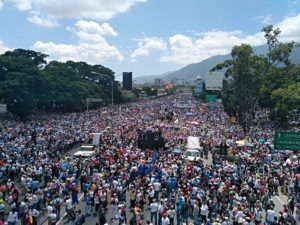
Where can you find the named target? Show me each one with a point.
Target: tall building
(198, 86)
(158, 82)
(127, 81)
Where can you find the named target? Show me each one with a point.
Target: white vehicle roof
(193, 143)
(87, 147)
(84, 154)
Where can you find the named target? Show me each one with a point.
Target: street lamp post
(111, 84)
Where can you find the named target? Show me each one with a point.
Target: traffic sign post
(287, 140)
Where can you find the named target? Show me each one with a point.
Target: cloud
(22, 5)
(42, 21)
(185, 50)
(72, 9)
(148, 45)
(1, 4)
(266, 20)
(3, 48)
(292, 3)
(290, 29)
(91, 27)
(92, 46)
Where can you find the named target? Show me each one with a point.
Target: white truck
(193, 149)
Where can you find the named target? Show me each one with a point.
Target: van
(192, 155)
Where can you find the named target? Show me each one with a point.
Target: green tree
(21, 80)
(28, 83)
(241, 95)
(286, 100)
(280, 77)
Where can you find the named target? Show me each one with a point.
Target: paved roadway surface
(91, 220)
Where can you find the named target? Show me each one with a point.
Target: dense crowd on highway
(40, 179)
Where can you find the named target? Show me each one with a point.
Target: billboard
(127, 81)
(214, 81)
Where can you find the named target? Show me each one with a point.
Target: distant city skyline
(146, 37)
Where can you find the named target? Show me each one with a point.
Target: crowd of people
(40, 179)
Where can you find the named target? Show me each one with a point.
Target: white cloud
(185, 50)
(22, 5)
(91, 27)
(148, 45)
(3, 48)
(36, 18)
(92, 47)
(292, 3)
(290, 28)
(1, 4)
(100, 9)
(73, 9)
(266, 20)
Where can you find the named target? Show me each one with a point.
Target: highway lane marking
(280, 200)
(61, 219)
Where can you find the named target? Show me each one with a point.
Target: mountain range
(202, 68)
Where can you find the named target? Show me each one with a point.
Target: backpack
(82, 219)
(72, 215)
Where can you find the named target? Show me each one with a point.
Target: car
(86, 151)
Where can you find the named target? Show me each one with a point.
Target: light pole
(111, 84)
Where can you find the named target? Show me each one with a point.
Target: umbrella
(244, 143)
(261, 140)
(195, 123)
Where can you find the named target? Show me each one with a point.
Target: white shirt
(204, 210)
(171, 213)
(12, 217)
(257, 215)
(156, 186)
(49, 209)
(165, 221)
(153, 207)
(52, 217)
(270, 215)
(69, 204)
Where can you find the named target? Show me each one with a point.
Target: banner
(96, 139)
(184, 105)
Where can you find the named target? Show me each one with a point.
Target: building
(214, 81)
(158, 82)
(198, 86)
(127, 81)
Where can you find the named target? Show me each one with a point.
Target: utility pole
(111, 84)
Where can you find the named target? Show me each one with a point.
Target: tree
(21, 80)
(280, 78)
(241, 95)
(286, 100)
(28, 83)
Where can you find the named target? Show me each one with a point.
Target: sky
(146, 37)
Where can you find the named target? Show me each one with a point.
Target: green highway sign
(287, 140)
(210, 98)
